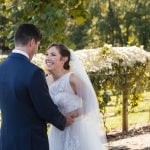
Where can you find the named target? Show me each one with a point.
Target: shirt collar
(20, 52)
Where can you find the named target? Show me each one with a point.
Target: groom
(25, 103)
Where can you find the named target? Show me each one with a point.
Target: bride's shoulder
(75, 81)
(73, 78)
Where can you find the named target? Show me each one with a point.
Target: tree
(52, 17)
(124, 70)
(80, 23)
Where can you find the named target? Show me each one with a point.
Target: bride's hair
(64, 52)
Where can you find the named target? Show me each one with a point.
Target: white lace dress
(80, 135)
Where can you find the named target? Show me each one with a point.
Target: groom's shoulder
(34, 68)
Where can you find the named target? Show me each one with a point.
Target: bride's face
(53, 59)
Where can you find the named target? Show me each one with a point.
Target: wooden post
(149, 116)
(125, 112)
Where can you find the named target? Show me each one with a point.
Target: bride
(72, 92)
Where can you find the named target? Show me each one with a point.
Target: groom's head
(28, 36)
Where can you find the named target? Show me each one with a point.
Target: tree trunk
(125, 112)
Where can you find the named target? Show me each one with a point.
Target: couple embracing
(65, 98)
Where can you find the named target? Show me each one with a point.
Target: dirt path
(137, 139)
(139, 142)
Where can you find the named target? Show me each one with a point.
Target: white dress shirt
(20, 52)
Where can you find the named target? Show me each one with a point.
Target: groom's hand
(69, 119)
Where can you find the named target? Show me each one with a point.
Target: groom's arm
(42, 101)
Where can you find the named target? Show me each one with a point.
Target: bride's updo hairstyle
(64, 52)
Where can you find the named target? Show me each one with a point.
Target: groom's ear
(32, 42)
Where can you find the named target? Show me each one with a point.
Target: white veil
(90, 102)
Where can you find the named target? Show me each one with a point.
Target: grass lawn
(140, 118)
(140, 115)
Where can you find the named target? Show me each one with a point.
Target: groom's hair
(25, 33)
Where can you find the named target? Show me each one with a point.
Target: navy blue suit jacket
(26, 105)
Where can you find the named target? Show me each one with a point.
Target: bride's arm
(79, 88)
(86, 92)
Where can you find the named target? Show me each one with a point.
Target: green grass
(139, 118)
(115, 122)
(140, 115)
(144, 105)
(147, 95)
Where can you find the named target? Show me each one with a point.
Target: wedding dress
(81, 135)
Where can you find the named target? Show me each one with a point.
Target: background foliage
(79, 23)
